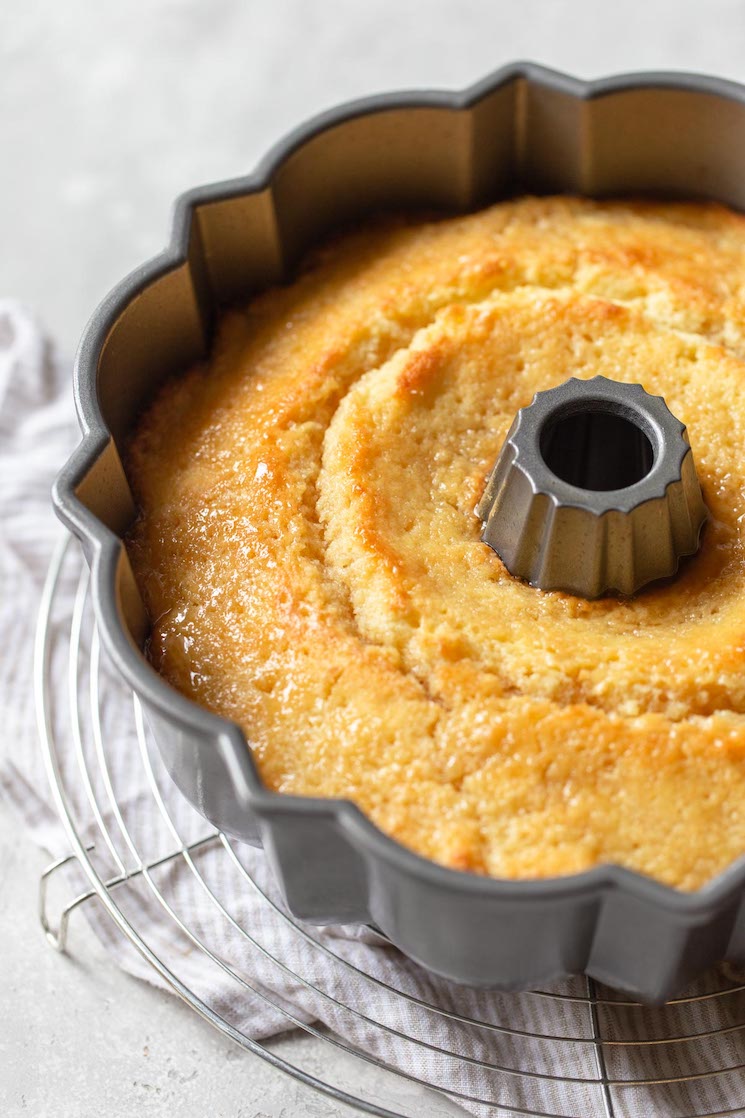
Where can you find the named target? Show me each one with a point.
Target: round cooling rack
(403, 1043)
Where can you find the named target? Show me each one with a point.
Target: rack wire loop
(56, 932)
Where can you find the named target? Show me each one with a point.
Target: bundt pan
(524, 129)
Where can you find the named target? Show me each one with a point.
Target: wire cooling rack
(572, 1052)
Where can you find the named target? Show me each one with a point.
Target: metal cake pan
(523, 129)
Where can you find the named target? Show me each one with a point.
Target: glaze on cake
(310, 559)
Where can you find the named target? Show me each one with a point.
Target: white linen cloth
(37, 431)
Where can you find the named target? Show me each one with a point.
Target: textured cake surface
(309, 555)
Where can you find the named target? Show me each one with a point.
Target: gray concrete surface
(107, 111)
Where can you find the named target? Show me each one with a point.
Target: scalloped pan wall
(522, 129)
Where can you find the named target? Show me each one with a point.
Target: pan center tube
(594, 491)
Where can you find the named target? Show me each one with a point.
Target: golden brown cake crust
(309, 554)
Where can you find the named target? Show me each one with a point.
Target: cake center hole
(596, 449)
